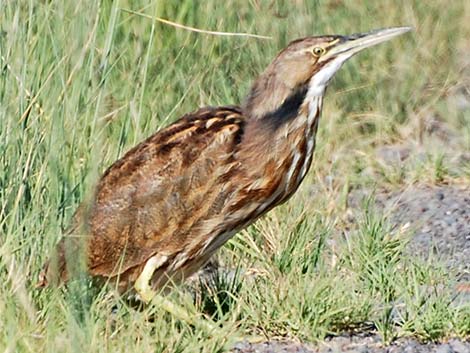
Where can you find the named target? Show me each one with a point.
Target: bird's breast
(281, 163)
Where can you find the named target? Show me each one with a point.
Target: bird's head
(303, 70)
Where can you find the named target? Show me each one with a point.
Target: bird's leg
(147, 294)
(142, 284)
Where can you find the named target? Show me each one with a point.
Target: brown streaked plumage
(164, 208)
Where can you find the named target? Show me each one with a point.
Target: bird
(160, 212)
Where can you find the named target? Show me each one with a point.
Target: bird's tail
(54, 271)
(67, 260)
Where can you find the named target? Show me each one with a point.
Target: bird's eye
(318, 51)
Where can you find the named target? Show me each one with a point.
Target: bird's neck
(277, 112)
(285, 137)
(272, 97)
(276, 99)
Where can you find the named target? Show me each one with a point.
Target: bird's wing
(150, 200)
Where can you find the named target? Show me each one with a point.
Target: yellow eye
(318, 51)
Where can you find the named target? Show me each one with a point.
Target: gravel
(439, 219)
(355, 344)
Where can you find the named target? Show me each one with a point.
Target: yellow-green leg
(147, 295)
(142, 286)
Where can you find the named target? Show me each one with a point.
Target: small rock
(426, 229)
(449, 220)
(444, 348)
(459, 347)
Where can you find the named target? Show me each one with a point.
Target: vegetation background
(83, 81)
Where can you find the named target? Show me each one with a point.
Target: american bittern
(163, 209)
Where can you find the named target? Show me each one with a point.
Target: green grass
(82, 82)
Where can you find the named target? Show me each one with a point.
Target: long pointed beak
(350, 45)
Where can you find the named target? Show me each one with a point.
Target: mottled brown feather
(173, 194)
